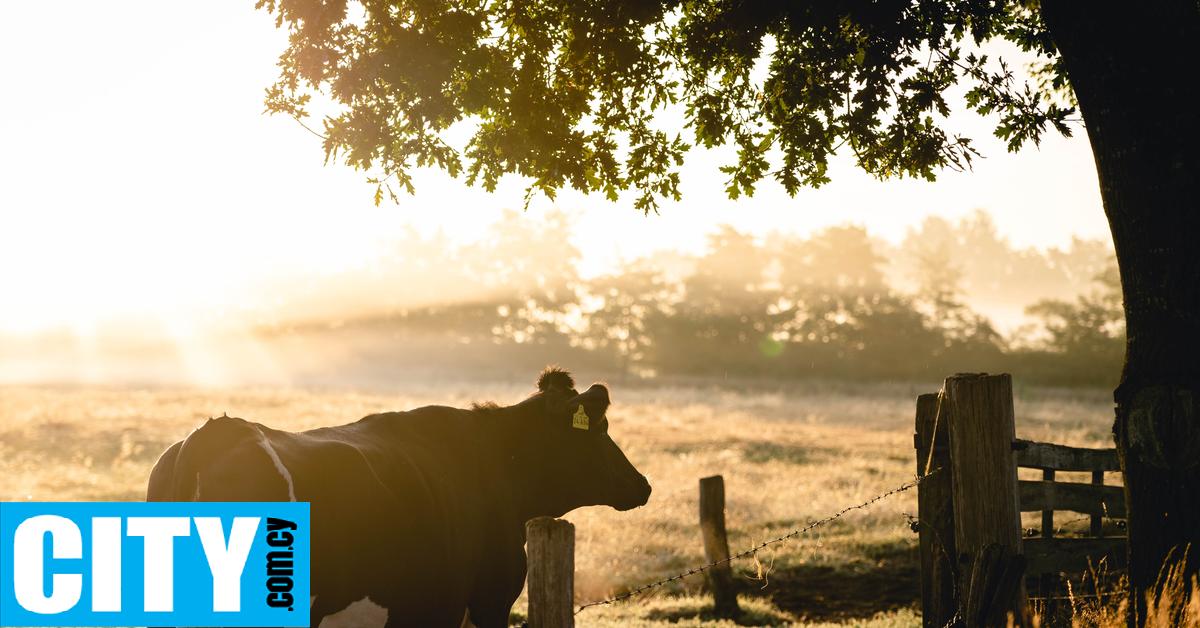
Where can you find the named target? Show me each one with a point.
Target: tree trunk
(1135, 68)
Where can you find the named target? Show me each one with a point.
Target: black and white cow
(418, 517)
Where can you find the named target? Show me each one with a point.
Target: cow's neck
(524, 474)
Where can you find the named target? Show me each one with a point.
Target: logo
(154, 564)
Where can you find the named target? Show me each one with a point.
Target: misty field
(790, 455)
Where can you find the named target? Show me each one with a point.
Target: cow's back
(226, 459)
(406, 508)
(417, 495)
(160, 488)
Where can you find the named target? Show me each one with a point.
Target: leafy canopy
(566, 93)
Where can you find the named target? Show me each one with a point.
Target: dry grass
(1176, 606)
(789, 457)
(696, 612)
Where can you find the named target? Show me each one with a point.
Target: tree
(726, 309)
(847, 316)
(1084, 339)
(833, 280)
(939, 290)
(992, 270)
(527, 277)
(630, 303)
(1092, 326)
(565, 93)
(939, 283)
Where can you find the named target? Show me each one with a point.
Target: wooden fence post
(550, 546)
(1046, 580)
(716, 546)
(935, 515)
(1097, 521)
(979, 408)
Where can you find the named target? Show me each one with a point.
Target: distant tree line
(837, 304)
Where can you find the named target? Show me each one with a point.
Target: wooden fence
(972, 551)
(550, 550)
(973, 554)
(1046, 553)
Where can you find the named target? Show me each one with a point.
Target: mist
(838, 303)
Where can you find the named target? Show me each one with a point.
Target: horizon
(364, 325)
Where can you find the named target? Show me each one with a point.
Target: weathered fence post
(935, 515)
(996, 573)
(716, 546)
(1046, 580)
(1097, 528)
(550, 547)
(979, 409)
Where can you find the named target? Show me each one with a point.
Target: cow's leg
(499, 583)
(488, 617)
(490, 608)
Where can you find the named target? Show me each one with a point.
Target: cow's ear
(555, 377)
(588, 409)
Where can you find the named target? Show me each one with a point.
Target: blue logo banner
(154, 564)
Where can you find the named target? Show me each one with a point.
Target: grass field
(789, 456)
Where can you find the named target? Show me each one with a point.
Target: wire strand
(760, 546)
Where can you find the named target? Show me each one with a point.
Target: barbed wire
(913, 523)
(756, 548)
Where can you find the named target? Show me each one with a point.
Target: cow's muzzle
(635, 495)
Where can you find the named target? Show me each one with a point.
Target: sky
(140, 176)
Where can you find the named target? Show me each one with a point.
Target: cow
(418, 517)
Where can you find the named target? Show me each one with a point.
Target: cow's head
(581, 465)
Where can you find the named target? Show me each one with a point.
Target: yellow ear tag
(580, 420)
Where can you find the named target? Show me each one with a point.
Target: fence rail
(1089, 499)
(973, 556)
(1051, 555)
(969, 427)
(1035, 455)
